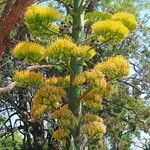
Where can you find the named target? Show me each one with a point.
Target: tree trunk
(38, 135)
(13, 10)
(92, 5)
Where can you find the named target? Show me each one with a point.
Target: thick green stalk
(74, 91)
(77, 35)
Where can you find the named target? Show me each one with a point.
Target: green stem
(76, 67)
(77, 35)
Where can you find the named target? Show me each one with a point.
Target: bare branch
(37, 67)
(7, 88)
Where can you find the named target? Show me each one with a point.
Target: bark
(13, 10)
(38, 135)
(92, 5)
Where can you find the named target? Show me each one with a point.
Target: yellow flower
(36, 12)
(110, 31)
(47, 99)
(66, 48)
(54, 28)
(61, 47)
(40, 20)
(29, 51)
(127, 19)
(115, 68)
(94, 130)
(28, 78)
(79, 80)
(92, 118)
(61, 134)
(59, 81)
(93, 77)
(52, 81)
(87, 52)
(92, 100)
(38, 110)
(65, 117)
(107, 93)
(97, 84)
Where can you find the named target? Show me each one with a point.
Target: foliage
(97, 16)
(8, 143)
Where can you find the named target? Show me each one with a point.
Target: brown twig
(37, 67)
(7, 88)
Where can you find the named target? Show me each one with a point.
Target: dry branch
(7, 88)
(36, 67)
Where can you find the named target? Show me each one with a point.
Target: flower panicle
(61, 134)
(127, 19)
(29, 51)
(66, 48)
(94, 130)
(115, 67)
(47, 99)
(28, 78)
(38, 11)
(92, 100)
(91, 118)
(110, 31)
(59, 81)
(65, 117)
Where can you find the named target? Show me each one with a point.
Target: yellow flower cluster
(47, 99)
(107, 93)
(61, 47)
(110, 31)
(66, 48)
(115, 68)
(93, 77)
(94, 130)
(92, 100)
(98, 88)
(53, 27)
(87, 52)
(36, 12)
(92, 118)
(29, 51)
(28, 78)
(127, 19)
(65, 117)
(61, 134)
(38, 111)
(59, 81)
(40, 20)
